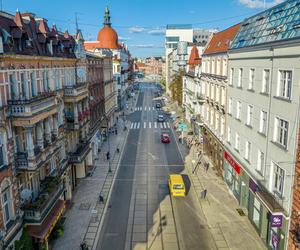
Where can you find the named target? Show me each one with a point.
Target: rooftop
(179, 26)
(279, 23)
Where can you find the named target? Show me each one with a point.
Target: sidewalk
(229, 229)
(86, 196)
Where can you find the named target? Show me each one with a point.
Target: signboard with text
(232, 162)
(276, 220)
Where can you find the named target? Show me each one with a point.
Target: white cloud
(123, 38)
(259, 4)
(157, 32)
(137, 29)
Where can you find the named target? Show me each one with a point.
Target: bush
(25, 242)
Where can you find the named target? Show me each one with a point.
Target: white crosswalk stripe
(131, 126)
(149, 124)
(153, 108)
(164, 125)
(155, 124)
(145, 108)
(168, 125)
(149, 108)
(144, 124)
(138, 126)
(161, 125)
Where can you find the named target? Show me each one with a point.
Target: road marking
(144, 124)
(153, 108)
(164, 124)
(135, 109)
(161, 126)
(138, 125)
(131, 126)
(149, 108)
(168, 125)
(145, 108)
(149, 124)
(155, 125)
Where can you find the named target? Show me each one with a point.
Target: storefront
(267, 217)
(264, 212)
(213, 147)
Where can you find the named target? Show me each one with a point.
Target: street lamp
(107, 132)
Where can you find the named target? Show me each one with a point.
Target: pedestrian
(206, 167)
(118, 150)
(203, 194)
(116, 131)
(117, 118)
(101, 199)
(107, 155)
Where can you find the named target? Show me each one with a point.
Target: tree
(176, 87)
(25, 242)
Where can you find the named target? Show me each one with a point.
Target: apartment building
(262, 119)
(213, 85)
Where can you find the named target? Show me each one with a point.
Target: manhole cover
(84, 206)
(240, 211)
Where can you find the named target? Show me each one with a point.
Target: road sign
(182, 126)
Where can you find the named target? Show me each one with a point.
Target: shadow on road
(187, 182)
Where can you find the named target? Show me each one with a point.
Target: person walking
(107, 155)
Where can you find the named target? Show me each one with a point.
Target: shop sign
(276, 220)
(232, 162)
(252, 185)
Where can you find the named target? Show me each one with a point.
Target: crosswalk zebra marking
(149, 124)
(144, 124)
(138, 126)
(155, 124)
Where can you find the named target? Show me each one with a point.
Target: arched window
(6, 201)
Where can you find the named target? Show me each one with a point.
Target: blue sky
(139, 23)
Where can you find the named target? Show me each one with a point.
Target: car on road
(176, 185)
(165, 138)
(158, 105)
(160, 118)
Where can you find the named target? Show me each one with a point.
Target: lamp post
(107, 132)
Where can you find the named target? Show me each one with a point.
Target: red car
(165, 138)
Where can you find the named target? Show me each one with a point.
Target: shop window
(256, 212)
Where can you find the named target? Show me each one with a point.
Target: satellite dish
(26, 194)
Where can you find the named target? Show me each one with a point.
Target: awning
(43, 231)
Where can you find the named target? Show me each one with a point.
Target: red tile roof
(194, 57)
(220, 41)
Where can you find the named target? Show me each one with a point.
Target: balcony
(201, 98)
(25, 163)
(80, 154)
(30, 111)
(75, 93)
(36, 211)
(83, 118)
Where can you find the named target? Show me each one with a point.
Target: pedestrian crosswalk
(146, 108)
(149, 125)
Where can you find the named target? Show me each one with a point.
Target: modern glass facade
(275, 24)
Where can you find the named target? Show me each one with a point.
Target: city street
(141, 213)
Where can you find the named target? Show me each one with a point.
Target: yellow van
(176, 185)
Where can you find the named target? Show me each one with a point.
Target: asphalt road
(142, 215)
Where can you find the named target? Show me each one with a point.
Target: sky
(139, 23)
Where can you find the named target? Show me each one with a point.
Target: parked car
(158, 105)
(165, 138)
(160, 118)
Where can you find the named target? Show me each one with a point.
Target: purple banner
(252, 185)
(276, 220)
(275, 241)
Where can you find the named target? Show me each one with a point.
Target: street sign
(182, 126)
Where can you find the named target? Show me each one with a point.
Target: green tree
(25, 242)
(176, 87)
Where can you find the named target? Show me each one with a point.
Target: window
(217, 94)
(249, 115)
(231, 77)
(222, 126)
(247, 150)
(237, 141)
(260, 161)
(266, 81)
(6, 202)
(251, 79)
(211, 117)
(240, 78)
(23, 84)
(278, 179)
(229, 135)
(217, 121)
(238, 110)
(281, 131)
(218, 67)
(230, 106)
(223, 97)
(263, 122)
(285, 84)
(224, 67)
